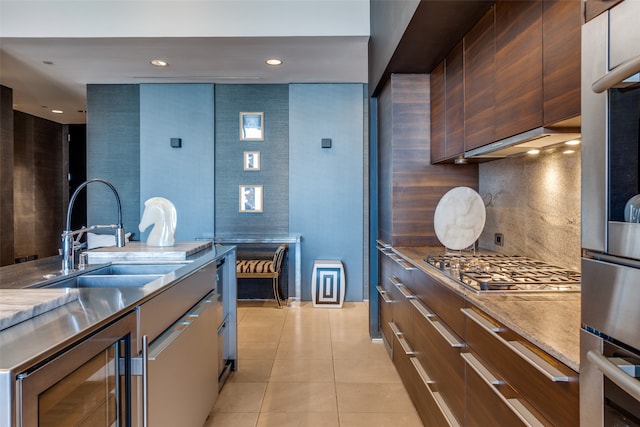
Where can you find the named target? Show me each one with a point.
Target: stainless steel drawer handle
(448, 336)
(513, 404)
(145, 381)
(437, 397)
(615, 374)
(402, 287)
(383, 294)
(618, 75)
(401, 339)
(544, 367)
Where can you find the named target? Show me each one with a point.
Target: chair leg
(276, 293)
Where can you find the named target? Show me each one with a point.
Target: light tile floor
(311, 367)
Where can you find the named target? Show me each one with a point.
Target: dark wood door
(593, 8)
(561, 41)
(479, 83)
(518, 67)
(438, 138)
(454, 95)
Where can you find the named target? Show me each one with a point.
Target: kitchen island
(31, 344)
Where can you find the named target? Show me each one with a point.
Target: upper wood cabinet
(438, 111)
(593, 8)
(518, 96)
(561, 32)
(521, 71)
(447, 107)
(479, 82)
(454, 95)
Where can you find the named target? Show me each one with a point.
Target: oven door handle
(618, 75)
(615, 374)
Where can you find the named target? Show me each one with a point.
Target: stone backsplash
(535, 205)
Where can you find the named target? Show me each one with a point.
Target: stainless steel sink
(136, 269)
(106, 281)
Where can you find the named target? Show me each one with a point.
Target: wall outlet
(499, 239)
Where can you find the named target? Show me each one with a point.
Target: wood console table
(293, 239)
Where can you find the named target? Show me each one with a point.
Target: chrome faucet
(67, 235)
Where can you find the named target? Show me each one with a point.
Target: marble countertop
(18, 305)
(551, 321)
(134, 251)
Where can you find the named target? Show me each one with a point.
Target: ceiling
(52, 73)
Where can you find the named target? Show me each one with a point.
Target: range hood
(539, 138)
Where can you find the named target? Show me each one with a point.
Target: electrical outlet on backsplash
(535, 205)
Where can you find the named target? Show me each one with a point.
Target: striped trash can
(328, 283)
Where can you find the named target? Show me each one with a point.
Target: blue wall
(320, 193)
(326, 200)
(273, 101)
(113, 153)
(183, 175)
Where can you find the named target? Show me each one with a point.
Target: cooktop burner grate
(495, 273)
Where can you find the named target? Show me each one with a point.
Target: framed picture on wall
(252, 126)
(250, 198)
(252, 160)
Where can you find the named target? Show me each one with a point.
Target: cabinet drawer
(441, 300)
(402, 310)
(438, 351)
(490, 401)
(429, 404)
(548, 385)
(385, 314)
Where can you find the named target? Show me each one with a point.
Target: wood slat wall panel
(409, 185)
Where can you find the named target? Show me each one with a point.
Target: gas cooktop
(502, 273)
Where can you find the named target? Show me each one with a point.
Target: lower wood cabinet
(546, 391)
(462, 367)
(429, 403)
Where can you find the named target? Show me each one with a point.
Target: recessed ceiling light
(573, 142)
(57, 111)
(568, 151)
(534, 151)
(273, 61)
(159, 63)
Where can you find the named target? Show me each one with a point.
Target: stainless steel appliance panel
(591, 383)
(610, 297)
(609, 383)
(82, 386)
(624, 44)
(183, 369)
(594, 134)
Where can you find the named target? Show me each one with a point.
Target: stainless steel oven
(88, 384)
(610, 336)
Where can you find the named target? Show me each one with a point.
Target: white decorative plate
(459, 218)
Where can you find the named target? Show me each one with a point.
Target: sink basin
(106, 281)
(136, 269)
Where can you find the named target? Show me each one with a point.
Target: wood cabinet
(593, 8)
(447, 107)
(425, 350)
(561, 35)
(532, 385)
(518, 78)
(462, 367)
(438, 114)
(521, 69)
(479, 82)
